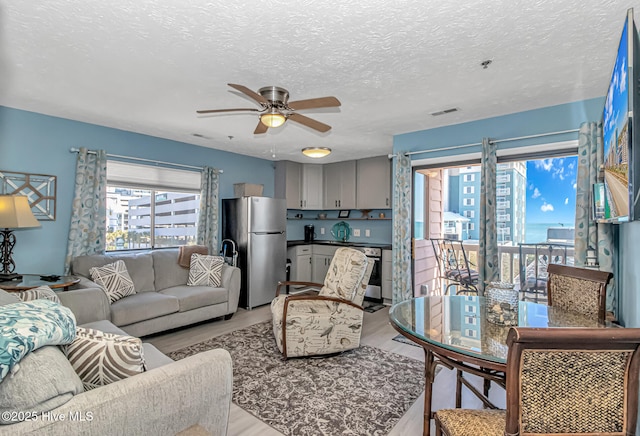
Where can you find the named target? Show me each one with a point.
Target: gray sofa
(162, 301)
(192, 395)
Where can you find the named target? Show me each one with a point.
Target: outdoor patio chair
(580, 290)
(560, 381)
(454, 266)
(327, 323)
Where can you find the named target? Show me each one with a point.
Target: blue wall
(35, 143)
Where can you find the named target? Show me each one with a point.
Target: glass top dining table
(459, 324)
(454, 332)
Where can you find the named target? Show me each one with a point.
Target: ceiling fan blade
(316, 125)
(314, 103)
(260, 128)
(246, 91)
(213, 111)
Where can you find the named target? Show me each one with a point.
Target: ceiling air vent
(446, 111)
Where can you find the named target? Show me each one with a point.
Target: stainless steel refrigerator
(258, 227)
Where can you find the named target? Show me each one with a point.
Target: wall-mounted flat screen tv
(619, 130)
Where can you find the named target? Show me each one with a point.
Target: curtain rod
(140, 159)
(493, 141)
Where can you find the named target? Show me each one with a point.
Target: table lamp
(15, 213)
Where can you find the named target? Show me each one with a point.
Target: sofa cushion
(193, 297)
(139, 266)
(39, 293)
(205, 270)
(9, 297)
(114, 280)
(153, 358)
(140, 307)
(166, 269)
(27, 326)
(101, 358)
(43, 381)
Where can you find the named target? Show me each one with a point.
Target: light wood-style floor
(377, 332)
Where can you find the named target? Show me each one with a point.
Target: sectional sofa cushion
(27, 326)
(101, 358)
(193, 297)
(167, 271)
(43, 381)
(205, 270)
(141, 307)
(114, 280)
(153, 358)
(139, 266)
(41, 292)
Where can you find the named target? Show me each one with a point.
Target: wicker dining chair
(560, 381)
(579, 290)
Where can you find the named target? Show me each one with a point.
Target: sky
(551, 190)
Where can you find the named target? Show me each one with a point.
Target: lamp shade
(316, 152)
(15, 212)
(273, 118)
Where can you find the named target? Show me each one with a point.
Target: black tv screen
(619, 126)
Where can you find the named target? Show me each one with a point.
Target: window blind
(151, 176)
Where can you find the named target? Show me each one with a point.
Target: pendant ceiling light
(316, 152)
(273, 118)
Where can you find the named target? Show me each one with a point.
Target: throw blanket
(184, 258)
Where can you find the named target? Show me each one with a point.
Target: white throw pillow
(39, 293)
(101, 358)
(205, 270)
(114, 280)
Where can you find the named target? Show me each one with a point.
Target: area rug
(359, 392)
(372, 307)
(405, 340)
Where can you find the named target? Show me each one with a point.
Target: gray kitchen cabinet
(320, 260)
(311, 186)
(299, 184)
(340, 185)
(374, 183)
(288, 183)
(300, 256)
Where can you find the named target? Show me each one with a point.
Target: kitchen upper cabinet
(340, 185)
(374, 183)
(288, 183)
(311, 186)
(299, 184)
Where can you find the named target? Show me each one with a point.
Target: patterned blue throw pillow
(27, 326)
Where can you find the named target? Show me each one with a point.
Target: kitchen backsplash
(379, 227)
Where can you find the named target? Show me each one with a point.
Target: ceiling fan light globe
(316, 152)
(272, 119)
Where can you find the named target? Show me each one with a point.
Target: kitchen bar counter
(340, 244)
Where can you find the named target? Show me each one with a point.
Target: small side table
(30, 281)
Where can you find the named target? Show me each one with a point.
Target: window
(150, 207)
(472, 227)
(469, 177)
(470, 213)
(468, 201)
(469, 189)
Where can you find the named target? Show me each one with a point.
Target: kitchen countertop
(340, 244)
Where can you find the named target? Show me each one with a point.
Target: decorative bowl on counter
(341, 231)
(322, 216)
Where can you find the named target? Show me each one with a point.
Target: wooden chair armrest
(294, 283)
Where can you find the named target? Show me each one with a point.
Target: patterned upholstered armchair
(561, 381)
(578, 289)
(330, 322)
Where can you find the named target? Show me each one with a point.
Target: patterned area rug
(359, 392)
(404, 340)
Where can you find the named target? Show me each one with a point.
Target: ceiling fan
(275, 108)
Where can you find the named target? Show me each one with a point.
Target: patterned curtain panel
(208, 219)
(402, 287)
(488, 262)
(87, 232)
(588, 233)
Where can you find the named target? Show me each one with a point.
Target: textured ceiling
(147, 65)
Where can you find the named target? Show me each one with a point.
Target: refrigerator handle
(268, 233)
